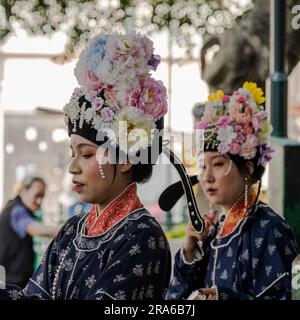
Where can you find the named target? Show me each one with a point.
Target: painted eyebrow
(223, 157)
(81, 145)
(218, 156)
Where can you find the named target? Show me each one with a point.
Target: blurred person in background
(18, 225)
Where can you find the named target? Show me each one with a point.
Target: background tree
(81, 19)
(243, 52)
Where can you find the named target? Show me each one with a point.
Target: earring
(100, 160)
(229, 168)
(246, 193)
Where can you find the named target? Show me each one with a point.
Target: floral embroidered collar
(237, 215)
(127, 202)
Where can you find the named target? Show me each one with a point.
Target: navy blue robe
(253, 262)
(129, 261)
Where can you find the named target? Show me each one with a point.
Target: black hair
(256, 174)
(241, 165)
(141, 172)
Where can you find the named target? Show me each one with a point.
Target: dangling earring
(246, 193)
(100, 160)
(99, 157)
(229, 168)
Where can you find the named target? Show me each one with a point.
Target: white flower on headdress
(138, 125)
(132, 51)
(110, 72)
(226, 135)
(89, 114)
(97, 122)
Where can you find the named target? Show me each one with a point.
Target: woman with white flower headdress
(116, 250)
(246, 251)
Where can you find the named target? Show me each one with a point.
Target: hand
(192, 236)
(210, 293)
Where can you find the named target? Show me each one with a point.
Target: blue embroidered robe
(129, 261)
(253, 262)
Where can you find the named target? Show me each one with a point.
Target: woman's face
(33, 196)
(87, 181)
(220, 180)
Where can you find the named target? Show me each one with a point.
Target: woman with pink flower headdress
(246, 251)
(116, 250)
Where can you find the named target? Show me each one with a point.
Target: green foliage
(177, 231)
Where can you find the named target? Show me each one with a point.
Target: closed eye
(218, 164)
(87, 156)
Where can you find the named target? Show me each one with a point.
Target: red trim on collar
(127, 202)
(237, 215)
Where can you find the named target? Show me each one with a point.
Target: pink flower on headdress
(130, 51)
(252, 140)
(223, 148)
(87, 78)
(234, 110)
(234, 148)
(240, 138)
(247, 130)
(248, 149)
(241, 100)
(255, 124)
(223, 122)
(111, 99)
(261, 115)
(93, 82)
(226, 99)
(150, 96)
(203, 123)
(249, 111)
(243, 119)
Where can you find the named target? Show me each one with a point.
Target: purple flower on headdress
(154, 61)
(107, 114)
(265, 152)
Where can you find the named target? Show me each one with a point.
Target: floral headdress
(113, 72)
(238, 124)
